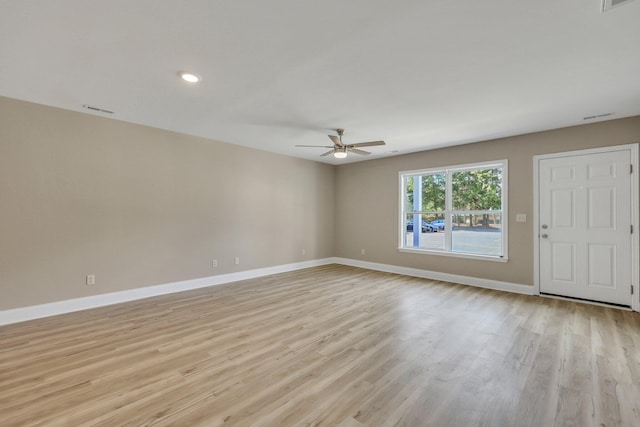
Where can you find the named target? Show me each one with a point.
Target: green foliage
(478, 189)
(433, 192)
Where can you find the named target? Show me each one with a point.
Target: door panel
(602, 265)
(585, 218)
(562, 208)
(564, 267)
(602, 208)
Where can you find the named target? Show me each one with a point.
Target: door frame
(635, 209)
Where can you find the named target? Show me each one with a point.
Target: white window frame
(448, 170)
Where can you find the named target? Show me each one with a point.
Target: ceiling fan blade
(335, 140)
(321, 146)
(327, 153)
(367, 144)
(355, 150)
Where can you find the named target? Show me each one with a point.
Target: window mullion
(448, 197)
(417, 207)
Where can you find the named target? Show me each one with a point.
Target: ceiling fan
(340, 150)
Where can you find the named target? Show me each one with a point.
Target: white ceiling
(418, 74)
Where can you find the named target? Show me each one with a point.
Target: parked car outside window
(438, 224)
(427, 227)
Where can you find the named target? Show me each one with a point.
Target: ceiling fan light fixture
(189, 77)
(340, 154)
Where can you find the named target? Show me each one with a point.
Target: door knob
(544, 226)
(544, 236)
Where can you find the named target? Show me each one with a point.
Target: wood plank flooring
(331, 345)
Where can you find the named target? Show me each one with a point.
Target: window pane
(408, 193)
(408, 233)
(433, 192)
(477, 234)
(425, 236)
(479, 189)
(432, 188)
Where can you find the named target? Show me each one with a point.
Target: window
(457, 210)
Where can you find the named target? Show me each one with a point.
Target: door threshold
(587, 301)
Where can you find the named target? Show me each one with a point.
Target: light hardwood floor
(331, 345)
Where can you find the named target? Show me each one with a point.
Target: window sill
(454, 254)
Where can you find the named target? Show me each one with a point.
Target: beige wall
(367, 198)
(138, 206)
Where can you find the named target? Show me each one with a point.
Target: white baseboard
(77, 304)
(434, 275)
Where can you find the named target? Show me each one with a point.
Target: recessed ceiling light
(189, 77)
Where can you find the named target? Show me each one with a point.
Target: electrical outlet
(304, 252)
(214, 263)
(237, 260)
(91, 279)
(362, 251)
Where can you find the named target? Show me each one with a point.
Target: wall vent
(597, 116)
(96, 109)
(610, 4)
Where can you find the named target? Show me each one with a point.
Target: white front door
(585, 226)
